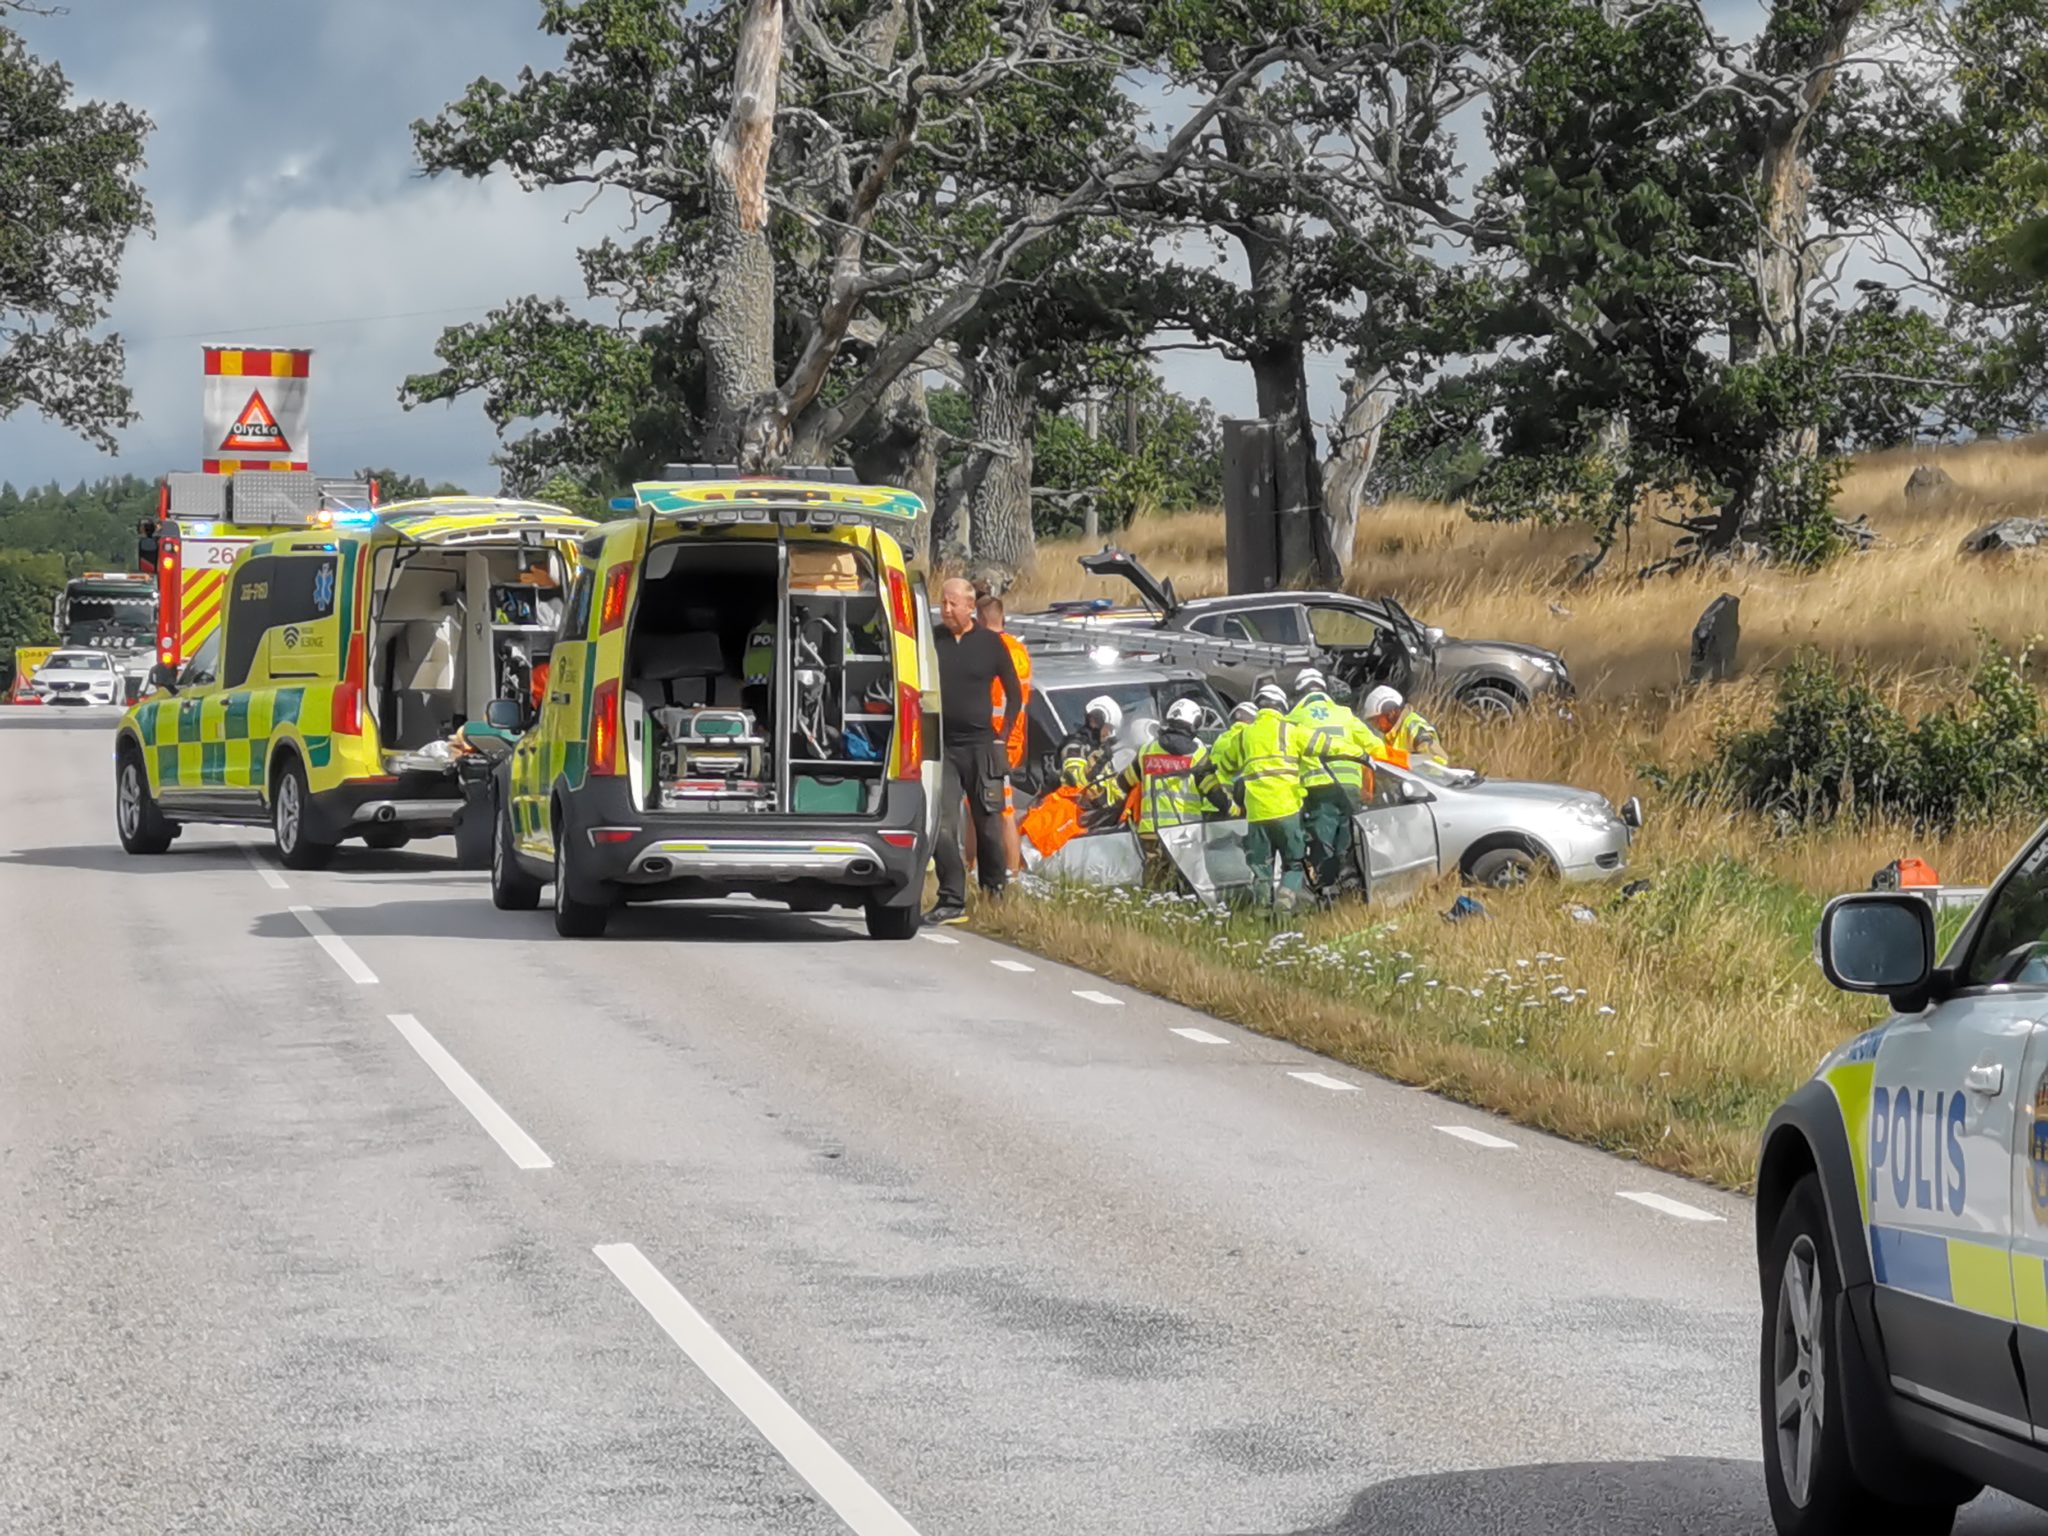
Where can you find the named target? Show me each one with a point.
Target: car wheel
(574, 919)
(289, 807)
(474, 836)
(1504, 869)
(886, 922)
(141, 825)
(512, 888)
(1812, 1485)
(1490, 701)
(385, 839)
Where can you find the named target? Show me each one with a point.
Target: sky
(290, 212)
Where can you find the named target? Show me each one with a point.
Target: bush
(1835, 748)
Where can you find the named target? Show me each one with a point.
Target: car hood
(1456, 651)
(1527, 793)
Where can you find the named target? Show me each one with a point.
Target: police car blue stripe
(1911, 1261)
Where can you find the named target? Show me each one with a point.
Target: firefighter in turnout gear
(1336, 780)
(1263, 759)
(1085, 754)
(1159, 786)
(1401, 727)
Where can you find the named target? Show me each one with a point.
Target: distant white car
(77, 677)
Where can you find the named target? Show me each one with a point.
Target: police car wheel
(1812, 1486)
(574, 919)
(296, 849)
(512, 888)
(141, 825)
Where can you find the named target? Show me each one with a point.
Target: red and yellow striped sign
(199, 603)
(258, 363)
(229, 466)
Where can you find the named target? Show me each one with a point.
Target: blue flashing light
(624, 504)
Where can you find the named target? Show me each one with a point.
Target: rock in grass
(2008, 533)
(1928, 483)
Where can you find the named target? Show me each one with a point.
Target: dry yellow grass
(1716, 1007)
(1911, 606)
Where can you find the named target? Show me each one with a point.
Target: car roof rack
(832, 474)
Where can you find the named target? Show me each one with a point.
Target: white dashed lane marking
(1201, 1037)
(1477, 1137)
(1012, 965)
(1101, 998)
(337, 949)
(1668, 1206)
(937, 938)
(270, 876)
(1321, 1080)
(503, 1129)
(852, 1497)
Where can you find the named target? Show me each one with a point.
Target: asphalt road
(342, 1201)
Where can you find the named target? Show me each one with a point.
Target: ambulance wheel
(384, 839)
(141, 825)
(296, 848)
(575, 918)
(1813, 1487)
(512, 888)
(886, 922)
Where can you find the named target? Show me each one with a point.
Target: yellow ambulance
(742, 700)
(330, 702)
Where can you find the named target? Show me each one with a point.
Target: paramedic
(1163, 776)
(971, 658)
(1263, 759)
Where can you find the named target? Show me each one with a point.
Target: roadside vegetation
(1666, 1024)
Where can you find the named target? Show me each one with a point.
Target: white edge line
(1668, 1206)
(937, 938)
(1101, 999)
(270, 876)
(1201, 1037)
(503, 1129)
(337, 948)
(1012, 965)
(849, 1494)
(1322, 1080)
(1477, 1137)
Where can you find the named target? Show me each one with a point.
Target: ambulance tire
(290, 805)
(1801, 1254)
(887, 922)
(512, 888)
(142, 826)
(574, 917)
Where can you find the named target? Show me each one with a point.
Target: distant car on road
(77, 677)
(1374, 640)
(1902, 1224)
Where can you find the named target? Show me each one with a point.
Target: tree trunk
(1368, 402)
(1278, 360)
(900, 449)
(737, 328)
(999, 507)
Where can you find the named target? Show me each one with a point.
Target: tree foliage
(69, 201)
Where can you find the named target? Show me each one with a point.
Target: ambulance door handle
(558, 698)
(1987, 1078)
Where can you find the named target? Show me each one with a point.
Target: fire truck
(204, 521)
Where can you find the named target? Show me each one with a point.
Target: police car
(1902, 1225)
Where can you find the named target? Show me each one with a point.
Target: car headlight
(1595, 814)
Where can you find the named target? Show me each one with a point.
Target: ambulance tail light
(348, 710)
(909, 732)
(613, 614)
(604, 730)
(902, 612)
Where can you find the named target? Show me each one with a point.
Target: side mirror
(165, 676)
(1879, 942)
(1413, 793)
(1434, 636)
(505, 715)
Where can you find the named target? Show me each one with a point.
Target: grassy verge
(1665, 1027)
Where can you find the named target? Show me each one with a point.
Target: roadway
(342, 1201)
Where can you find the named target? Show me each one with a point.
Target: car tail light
(348, 710)
(902, 612)
(604, 729)
(909, 732)
(613, 614)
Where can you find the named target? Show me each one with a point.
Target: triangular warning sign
(255, 430)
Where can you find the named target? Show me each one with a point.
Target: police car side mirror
(165, 676)
(1879, 942)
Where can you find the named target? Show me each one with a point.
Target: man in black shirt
(971, 658)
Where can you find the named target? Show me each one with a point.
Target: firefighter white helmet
(1270, 696)
(1185, 713)
(1382, 700)
(1105, 714)
(1243, 712)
